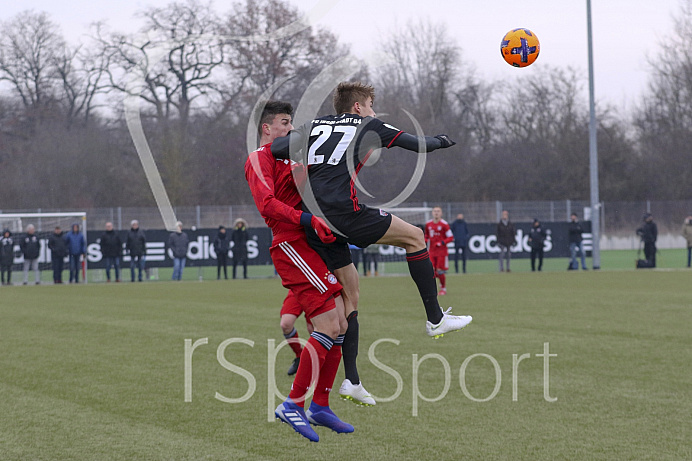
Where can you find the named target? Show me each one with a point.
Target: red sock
(443, 280)
(295, 344)
(327, 376)
(301, 383)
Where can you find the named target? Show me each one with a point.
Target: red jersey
(277, 199)
(439, 235)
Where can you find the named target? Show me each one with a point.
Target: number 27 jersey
(334, 148)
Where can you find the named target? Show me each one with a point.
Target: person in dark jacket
(221, 246)
(357, 256)
(30, 246)
(506, 239)
(239, 239)
(76, 247)
(537, 236)
(687, 233)
(58, 251)
(137, 247)
(111, 250)
(648, 232)
(461, 239)
(6, 256)
(575, 243)
(178, 242)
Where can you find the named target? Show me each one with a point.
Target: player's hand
(445, 141)
(438, 244)
(323, 231)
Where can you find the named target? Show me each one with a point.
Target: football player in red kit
(437, 235)
(303, 272)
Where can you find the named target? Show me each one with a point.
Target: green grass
(97, 372)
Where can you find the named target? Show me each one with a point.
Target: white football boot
(356, 394)
(448, 323)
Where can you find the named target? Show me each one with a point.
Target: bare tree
(259, 64)
(175, 55)
(82, 76)
(29, 45)
(664, 118)
(422, 68)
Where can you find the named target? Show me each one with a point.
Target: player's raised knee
(417, 236)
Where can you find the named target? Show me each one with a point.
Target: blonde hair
(349, 93)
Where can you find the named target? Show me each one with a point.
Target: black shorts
(361, 228)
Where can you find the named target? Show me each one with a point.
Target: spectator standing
(648, 232)
(112, 251)
(461, 239)
(371, 256)
(357, 256)
(687, 233)
(76, 247)
(221, 246)
(6, 256)
(575, 243)
(537, 236)
(239, 238)
(137, 246)
(178, 242)
(31, 249)
(58, 251)
(506, 239)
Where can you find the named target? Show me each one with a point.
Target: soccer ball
(520, 47)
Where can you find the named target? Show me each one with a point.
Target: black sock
(422, 273)
(349, 350)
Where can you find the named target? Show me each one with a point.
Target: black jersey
(334, 148)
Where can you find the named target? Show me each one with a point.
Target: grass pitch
(98, 372)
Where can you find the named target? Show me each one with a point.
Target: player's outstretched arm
(410, 142)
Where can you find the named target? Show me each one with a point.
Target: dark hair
(271, 109)
(573, 214)
(349, 93)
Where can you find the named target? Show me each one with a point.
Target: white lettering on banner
(481, 244)
(156, 251)
(94, 253)
(252, 249)
(587, 241)
(198, 250)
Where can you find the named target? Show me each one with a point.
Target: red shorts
(440, 262)
(292, 306)
(304, 273)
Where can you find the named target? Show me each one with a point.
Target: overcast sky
(625, 31)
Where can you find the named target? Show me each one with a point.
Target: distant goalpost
(45, 224)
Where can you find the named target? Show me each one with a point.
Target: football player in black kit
(334, 148)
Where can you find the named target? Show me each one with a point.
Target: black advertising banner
(482, 245)
(200, 251)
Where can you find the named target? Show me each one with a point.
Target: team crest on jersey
(383, 213)
(331, 279)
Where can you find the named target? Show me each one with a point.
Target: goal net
(44, 226)
(387, 259)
